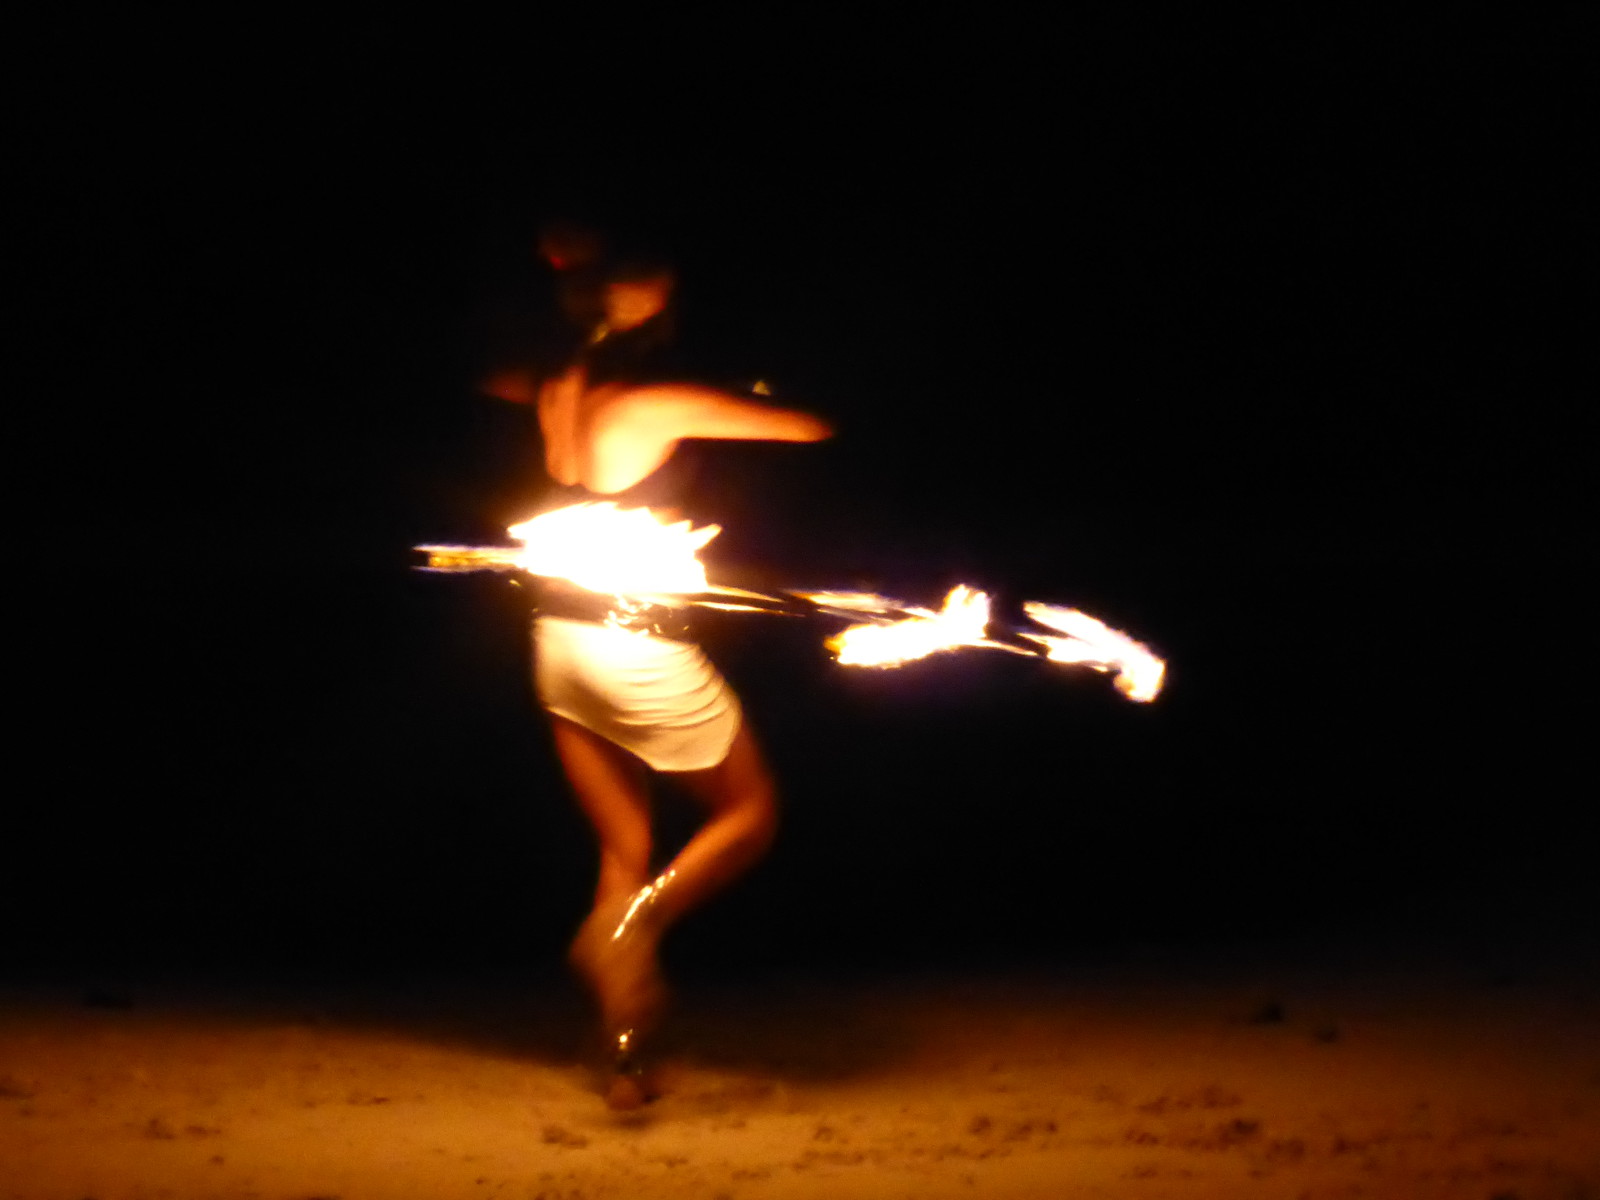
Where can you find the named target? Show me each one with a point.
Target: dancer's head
(567, 245)
(636, 291)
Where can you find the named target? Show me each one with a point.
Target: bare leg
(622, 974)
(737, 794)
(616, 948)
(741, 802)
(611, 789)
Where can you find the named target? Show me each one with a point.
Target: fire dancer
(627, 691)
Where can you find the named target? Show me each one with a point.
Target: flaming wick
(631, 553)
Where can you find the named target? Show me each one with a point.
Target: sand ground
(1195, 1075)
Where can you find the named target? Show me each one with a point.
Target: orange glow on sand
(1244, 1081)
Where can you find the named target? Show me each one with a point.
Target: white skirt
(657, 698)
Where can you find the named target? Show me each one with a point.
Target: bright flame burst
(632, 552)
(963, 621)
(618, 551)
(1092, 643)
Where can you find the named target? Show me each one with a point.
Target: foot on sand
(631, 1085)
(628, 1093)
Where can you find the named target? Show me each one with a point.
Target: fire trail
(632, 554)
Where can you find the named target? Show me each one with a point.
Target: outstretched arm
(677, 411)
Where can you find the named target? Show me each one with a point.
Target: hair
(571, 239)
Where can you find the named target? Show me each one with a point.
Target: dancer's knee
(762, 823)
(755, 796)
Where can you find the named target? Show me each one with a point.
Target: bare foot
(630, 1090)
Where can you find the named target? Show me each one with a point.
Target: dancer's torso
(598, 443)
(588, 443)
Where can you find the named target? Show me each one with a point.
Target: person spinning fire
(626, 689)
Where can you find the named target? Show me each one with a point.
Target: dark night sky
(1262, 354)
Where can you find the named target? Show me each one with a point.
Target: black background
(1261, 346)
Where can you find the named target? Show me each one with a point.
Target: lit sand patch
(1110, 1084)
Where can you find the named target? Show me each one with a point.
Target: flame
(1091, 643)
(634, 553)
(862, 602)
(962, 622)
(619, 551)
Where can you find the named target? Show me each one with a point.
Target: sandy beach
(1176, 1075)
